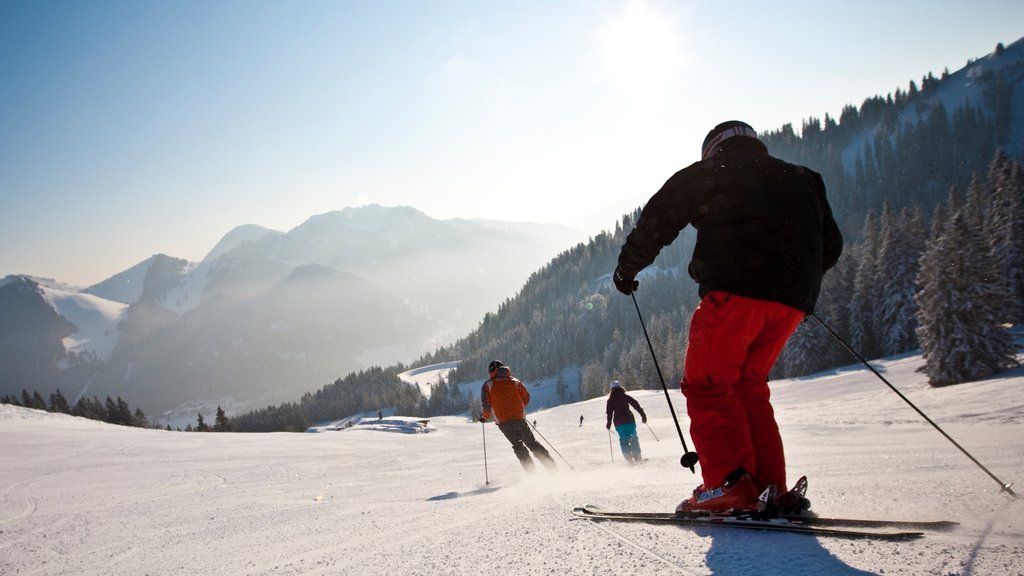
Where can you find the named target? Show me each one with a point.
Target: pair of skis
(815, 525)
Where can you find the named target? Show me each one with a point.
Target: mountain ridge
(267, 314)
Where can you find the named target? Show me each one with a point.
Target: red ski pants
(734, 342)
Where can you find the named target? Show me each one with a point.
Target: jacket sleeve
(608, 412)
(832, 238)
(661, 220)
(635, 404)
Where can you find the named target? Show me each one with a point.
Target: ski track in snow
(82, 497)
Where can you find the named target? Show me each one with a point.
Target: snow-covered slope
(424, 376)
(80, 497)
(96, 319)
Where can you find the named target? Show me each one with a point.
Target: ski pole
(689, 459)
(611, 451)
(1004, 486)
(483, 430)
(549, 445)
(652, 432)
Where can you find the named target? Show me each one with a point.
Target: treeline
(110, 410)
(221, 423)
(363, 391)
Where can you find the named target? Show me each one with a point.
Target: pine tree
(801, 354)
(902, 244)
(222, 423)
(37, 401)
(594, 382)
(473, 406)
(139, 419)
(110, 413)
(200, 424)
(561, 388)
(865, 292)
(833, 306)
(58, 403)
(1006, 226)
(961, 335)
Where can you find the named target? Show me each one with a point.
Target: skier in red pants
(765, 237)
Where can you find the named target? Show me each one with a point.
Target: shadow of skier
(751, 552)
(990, 526)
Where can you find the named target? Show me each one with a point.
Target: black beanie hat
(494, 365)
(723, 132)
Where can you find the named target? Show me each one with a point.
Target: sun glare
(640, 49)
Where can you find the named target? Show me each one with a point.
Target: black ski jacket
(764, 227)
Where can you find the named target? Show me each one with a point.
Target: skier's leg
(635, 445)
(627, 441)
(538, 449)
(780, 323)
(514, 434)
(623, 440)
(720, 331)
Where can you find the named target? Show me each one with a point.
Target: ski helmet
(723, 132)
(494, 365)
(615, 384)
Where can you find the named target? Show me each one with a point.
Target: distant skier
(617, 410)
(581, 420)
(765, 237)
(507, 398)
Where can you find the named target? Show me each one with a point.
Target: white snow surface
(82, 497)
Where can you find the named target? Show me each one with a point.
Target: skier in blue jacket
(617, 409)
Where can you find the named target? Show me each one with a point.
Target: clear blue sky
(129, 128)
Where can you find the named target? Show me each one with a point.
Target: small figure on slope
(507, 398)
(617, 409)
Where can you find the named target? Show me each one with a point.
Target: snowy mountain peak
(125, 287)
(351, 224)
(236, 237)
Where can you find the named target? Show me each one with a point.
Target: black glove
(482, 419)
(623, 284)
(644, 419)
(608, 426)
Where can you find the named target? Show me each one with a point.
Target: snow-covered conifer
(960, 332)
